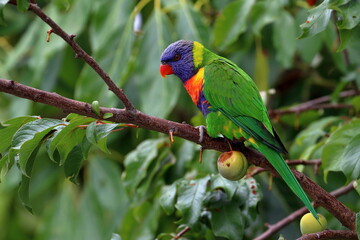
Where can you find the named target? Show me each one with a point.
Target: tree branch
(318, 103)
(274, 228)
(314, 191)
(316, 163)
(331, 234)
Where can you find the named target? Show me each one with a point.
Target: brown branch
(80, 53)
(316, 163)
(315, 104)
(314, 191)
(182, 232)
(274, 228)
(331, 234)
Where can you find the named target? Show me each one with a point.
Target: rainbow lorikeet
(230, 102)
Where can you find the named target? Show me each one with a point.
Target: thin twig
(315, 104)
(182, 232)
(274, 228)
(80, 53)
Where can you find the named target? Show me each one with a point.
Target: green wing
(232, 92)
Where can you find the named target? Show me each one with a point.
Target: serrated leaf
(227, 221)
(29, 136)
(167, 199)
(342, 152)
(96, 134)
(231, 22)
(190, 197)
(317, 20)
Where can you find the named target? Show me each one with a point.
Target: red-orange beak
(165, 69)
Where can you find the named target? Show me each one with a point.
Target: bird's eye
(177, 57)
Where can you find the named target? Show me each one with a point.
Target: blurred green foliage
(132, 184)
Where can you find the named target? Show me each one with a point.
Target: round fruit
(232, 165)
(308, 224)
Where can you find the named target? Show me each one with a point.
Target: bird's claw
(202, 130)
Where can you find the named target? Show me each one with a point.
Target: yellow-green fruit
(232, 165)
(308, 224)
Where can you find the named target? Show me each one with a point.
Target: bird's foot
(202, 130)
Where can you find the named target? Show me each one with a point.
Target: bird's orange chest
(194, 86)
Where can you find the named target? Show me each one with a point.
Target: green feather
(284, 171)
(236, 106)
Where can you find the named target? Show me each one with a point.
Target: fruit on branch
(308, 224)
(232, 165)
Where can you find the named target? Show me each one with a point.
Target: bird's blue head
(178, 59)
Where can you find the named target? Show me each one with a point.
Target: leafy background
(147, 188)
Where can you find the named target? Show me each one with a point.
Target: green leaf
(67, 137)
(263, 13)
(350, 15)
(142, 221)
(231, 22)
(190, 198)
(107, 115)
(348, 38)
(255, 194)
(73, 163)
(25, 181)
(96, 134)
(148, 83)
(191, 25)
(356, 185)
(2, 5)
(11, 126)
(28, 137)
(342, 152)
(22, 5)
(228, 186)
(61, 220)
(317, 20)
(167, 199)
(138, 161)
(227, 221)
(311, 135)
(284, 38)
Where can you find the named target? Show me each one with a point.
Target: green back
(232, 92)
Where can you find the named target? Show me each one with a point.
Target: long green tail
(283, 169)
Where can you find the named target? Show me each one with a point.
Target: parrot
(230, 102)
